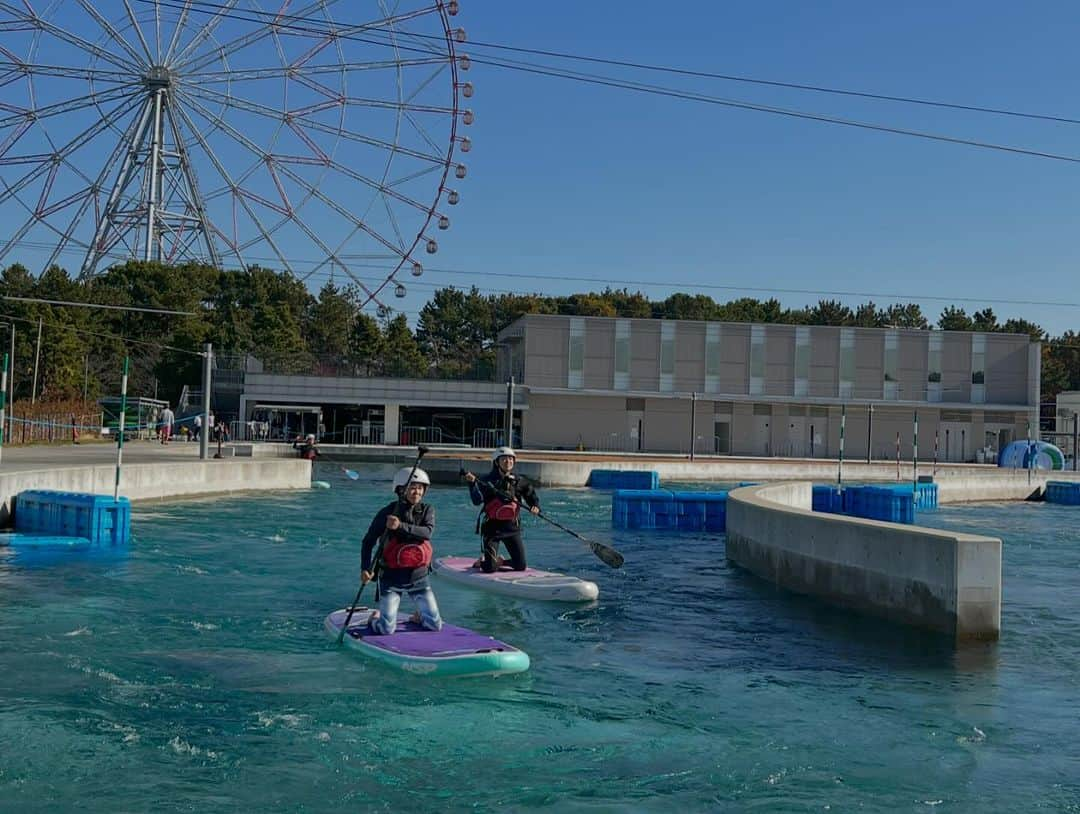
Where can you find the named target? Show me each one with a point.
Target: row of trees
(275, 317)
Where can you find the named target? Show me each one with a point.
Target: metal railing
(411, 434)
(486, 437)
(355, 435)
(613, 442)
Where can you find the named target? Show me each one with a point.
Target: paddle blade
(608, 554)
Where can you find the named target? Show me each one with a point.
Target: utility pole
(870, 433)
(693, 422)
(37, 359)
(508, 419)
(204, 434)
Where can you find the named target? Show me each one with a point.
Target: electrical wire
(675, 93)
(689, 72)
(99, 305)
(118, 337)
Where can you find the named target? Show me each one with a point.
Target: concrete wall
(162, 480)
(599, 362)
(943, 581)
(561, 422)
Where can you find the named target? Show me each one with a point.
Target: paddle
(351, 474)
(420, 453)
(605, 552)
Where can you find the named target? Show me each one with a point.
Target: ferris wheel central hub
(157, 77)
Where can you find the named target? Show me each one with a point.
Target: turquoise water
(192, 674)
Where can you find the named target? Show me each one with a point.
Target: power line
(325, 274)
(699, 74)
(102, 335)
(683, 286)
(100, 305)
(675, 93)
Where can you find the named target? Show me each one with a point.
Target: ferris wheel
(306, 137)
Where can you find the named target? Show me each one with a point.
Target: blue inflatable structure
(1031, 455)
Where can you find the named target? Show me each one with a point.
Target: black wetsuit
(417, 523)
(306, 450)
(507, 532)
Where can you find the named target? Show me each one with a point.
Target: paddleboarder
(499, 520)
(403, 560)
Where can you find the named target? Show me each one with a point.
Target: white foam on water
(82, 631)
(204, 626)
(191, 569)
(286, 719)
(182, 747)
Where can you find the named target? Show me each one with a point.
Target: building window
(802, 360)
(978, 368)
(712, 358)
(847, 363)
(576, 371)
(622, 354)
(757, 359)
(667, 356)
(891, 389)
(933, 367)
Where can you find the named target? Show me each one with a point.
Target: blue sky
(577, 181)
(573, 181)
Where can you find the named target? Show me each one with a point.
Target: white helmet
(402, 477)
(503, 452)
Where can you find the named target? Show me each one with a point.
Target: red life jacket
(398, 553)
(499, 510)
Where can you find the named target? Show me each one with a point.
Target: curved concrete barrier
(941, 580)
(161, 480)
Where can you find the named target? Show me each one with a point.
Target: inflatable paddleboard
(452, 651)
(528, 584)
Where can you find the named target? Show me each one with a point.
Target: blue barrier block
(827, 499)
(1063, 493)
(661, 509)
(19, 540)
(102, 520)
(623, 479)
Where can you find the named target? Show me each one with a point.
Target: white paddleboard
(528, 584)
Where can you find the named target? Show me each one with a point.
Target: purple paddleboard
(452, 651)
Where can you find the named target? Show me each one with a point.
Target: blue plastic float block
(672, 511)
(701, 511)
(643, 509)
(1063, 493)
(888, 503)
(103, 520)
(827, 499)
(624, 479)
(18, 540)
(925, 494)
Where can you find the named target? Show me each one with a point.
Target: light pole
(11, 383)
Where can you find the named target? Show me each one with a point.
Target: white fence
(359, 434)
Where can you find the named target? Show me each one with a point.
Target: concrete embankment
(958, 483)
(940, 580)
(176, 478)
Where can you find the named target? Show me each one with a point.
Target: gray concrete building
(630, 384)
(647, 385)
